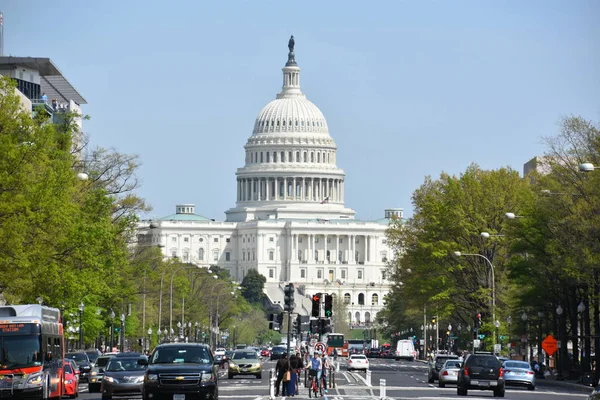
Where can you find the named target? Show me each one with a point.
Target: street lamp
(580, 310)
(540, 351)
(112, 329)
(509, 322)
(486, 235)
(122, 333)
(149, 338)
(524, 318)
(459, 254)
(562, 344)
(587, 167)
(81, 307)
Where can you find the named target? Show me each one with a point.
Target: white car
(220, 351)
(358, 361)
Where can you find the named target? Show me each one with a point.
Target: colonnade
(348, 252)
(290, 189)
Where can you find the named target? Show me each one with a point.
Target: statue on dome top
(291, 44)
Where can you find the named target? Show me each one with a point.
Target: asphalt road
(404, 380)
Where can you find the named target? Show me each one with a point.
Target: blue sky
(409, 89)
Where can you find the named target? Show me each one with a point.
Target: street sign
(481, 336)
(550, 345)
(497, 348)
(524, 339)
(476, 343)
(320, 346)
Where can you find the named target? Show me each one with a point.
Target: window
(316, 255)
(228, 240)
(282, 156)
(299, 240)
(186, 256)
(328, 240)
(275, 157)
(268, 157)
(216, 240)
(341, 240)
(316, 240)
(375, 299)
(174, 253)
(331, 275)
(186, 239)
(340, 254)
(216, 255)
(356, 240)
(243, 240)
(227, 256)
(328, 256)
(384, 241)
(271, 239)
(261, 156)
(343, 274)
(383, 256)
(359, 274)
(361, 299)
(271, 255)
(297, 156)
(201, 240)
(201, 254)
(303, 273)
(243, 256)
(347, 298)
(356, 254)
(383, 275)
(253, 255)
(174, 239)
(305, 159)
(319, 274)
(299, 255)
(271, 273)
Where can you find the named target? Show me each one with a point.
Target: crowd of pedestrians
(288, 371)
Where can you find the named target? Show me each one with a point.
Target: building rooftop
(52, 81)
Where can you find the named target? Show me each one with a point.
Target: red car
(71, 380)
(265, 353)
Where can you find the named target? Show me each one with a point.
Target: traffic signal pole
(289, 307)
(289, 333)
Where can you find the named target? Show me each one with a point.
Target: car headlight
(35, 380)
(151, 377)
(110, 379)
(208, 377)
(94, 373)
(256, 365)
(232, 364)
(139, 379)
(69, 381)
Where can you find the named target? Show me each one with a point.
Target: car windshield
(485, 362)
(516, 364)
(244, 355)
(278, 349)
(452, 364)
(78, 357)
(124, 364)
(173, 355)
(20, 351)
(103, 362)
(439, 362)
(358, 357)
(92, 355)
(68, 369)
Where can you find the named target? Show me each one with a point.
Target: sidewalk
(573, 385)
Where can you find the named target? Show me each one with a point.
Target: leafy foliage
(252, 286)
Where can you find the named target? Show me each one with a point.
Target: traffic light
(141, 342)
(316, 305)
(289, 298)
(296, 325)
(314, 326)
(328, 305)
(325, 326)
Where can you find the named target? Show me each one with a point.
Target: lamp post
(509, 321)
(81, 308)
(524, 338)
(459, 254)
(583, 358)
(497, 327)
(149, 339)
(587, 167)
(561, 343)
(539, 344)
(122, 333)
(112, 329)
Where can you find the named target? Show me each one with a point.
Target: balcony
(41, 104)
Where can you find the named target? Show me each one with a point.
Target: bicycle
(314, 387)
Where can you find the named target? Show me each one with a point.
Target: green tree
(252, 286)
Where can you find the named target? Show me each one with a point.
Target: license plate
(6, 383)
(474, 383)
(484, 383)
(179, 397)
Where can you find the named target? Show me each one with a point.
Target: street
(404, 380)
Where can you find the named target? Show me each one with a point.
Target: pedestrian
(295, 365)
(44, 98)
(282, 366)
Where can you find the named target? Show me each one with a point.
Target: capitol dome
(290, 114)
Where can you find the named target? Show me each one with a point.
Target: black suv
(180, 371)
(437, 364)
(481, 372)
(83, 363)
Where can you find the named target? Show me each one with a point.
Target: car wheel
(499, 393)
(441, 384)
(531, 387)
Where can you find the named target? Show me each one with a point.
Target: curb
(570, 385)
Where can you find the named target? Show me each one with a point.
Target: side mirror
(142, 361)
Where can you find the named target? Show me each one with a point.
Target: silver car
(449, 373)
(518, 373)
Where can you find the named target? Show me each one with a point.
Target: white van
(405, 350)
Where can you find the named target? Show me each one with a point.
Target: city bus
(31, 352)
(336, 341)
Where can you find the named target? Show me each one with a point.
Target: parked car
(71, 380)
(358, 361)
(449, 372)
(83, 363)
(265, 352)
(123, 376)
(245, 362)
(181, 370)
(277, 352)
(519, 373)
(97, 373)
(436, 365)
(481, 372)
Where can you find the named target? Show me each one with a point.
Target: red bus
(336, 341)
(31, 352)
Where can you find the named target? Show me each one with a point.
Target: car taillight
(466, 372)
(528, 372)
(445, 373)
(501, 372)
(350, 361)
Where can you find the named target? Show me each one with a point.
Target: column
(238, 190)
(342, 194)
(276, 189)
(337, 249)
(267, 187)
(296, 245)
(325, 244)
(284, 188)
(351, 258)
(253, 189)
(367, 249)
(308, 189)
(312, 253)
(328, 192)
(294, 188)
(302, 183)
(259, 189)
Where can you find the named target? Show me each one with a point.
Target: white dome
(296, 114)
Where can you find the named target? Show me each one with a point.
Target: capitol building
(290, 221)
